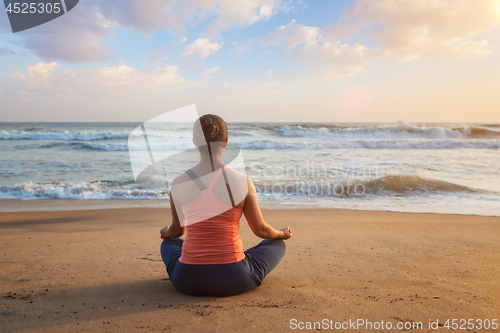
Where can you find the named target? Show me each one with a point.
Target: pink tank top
(216, 239)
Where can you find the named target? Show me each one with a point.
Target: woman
(211, 261)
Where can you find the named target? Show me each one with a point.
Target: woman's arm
(174, 230)
(255, 220)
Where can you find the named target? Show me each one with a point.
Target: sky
(257, 60)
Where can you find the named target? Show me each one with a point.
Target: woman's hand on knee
(287, 233)
(164, 232)
(172, 231)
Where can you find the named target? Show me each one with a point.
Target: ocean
(418, 167)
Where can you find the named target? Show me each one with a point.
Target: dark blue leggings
(222, 279)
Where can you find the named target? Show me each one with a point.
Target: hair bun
(215, 130)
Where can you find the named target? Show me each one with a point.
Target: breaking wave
(61, 136)
(81, 191)
(389, 185)
(401, 130)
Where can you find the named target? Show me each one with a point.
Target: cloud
(100, 80)
(241, 48)
(158, 54)
(175, 15)
(203, 47)
(6, 51)
(402, 30)
(125, 75)
(407, 30)
(80, 36)
(181, 41)
(334, 72)
(143, 16)
(269, 71)
(46, 91)
(291, 35)
(236, 14)
(211, 70)
(39, 76)
(248, 89)
(76, 37)
(342, 59)
(336, 53)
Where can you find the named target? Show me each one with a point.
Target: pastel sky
(257, 60)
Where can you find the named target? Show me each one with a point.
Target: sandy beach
(100, 270)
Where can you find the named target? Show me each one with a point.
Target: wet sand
(100, 270)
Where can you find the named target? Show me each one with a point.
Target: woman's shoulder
(182, 178)
(239, 175)
(240, 183)
(234, 175)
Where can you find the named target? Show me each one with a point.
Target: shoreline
(61, 205)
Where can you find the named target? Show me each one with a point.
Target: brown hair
(214, 128)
